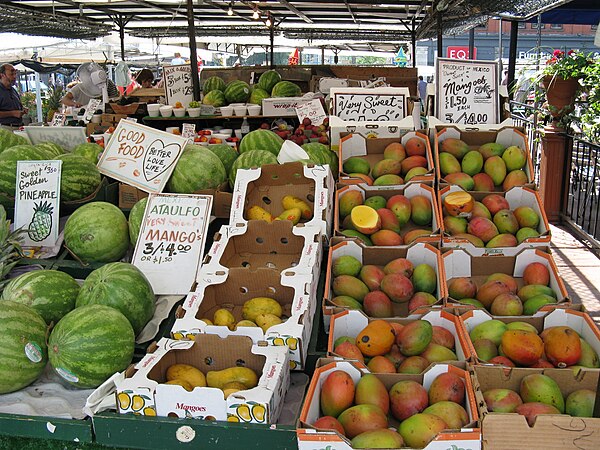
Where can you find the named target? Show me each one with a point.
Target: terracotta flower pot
(560, 94)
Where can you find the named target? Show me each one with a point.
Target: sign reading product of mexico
(141, 156)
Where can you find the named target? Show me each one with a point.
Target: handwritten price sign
(141, 156)
(178, 84)
(467, 91)
(366, 104)
(172, 236)
(313, 110)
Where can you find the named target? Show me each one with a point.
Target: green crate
(45, 428)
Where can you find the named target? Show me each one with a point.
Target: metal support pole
(472, 43)
(500, 50)
(272, 40)
(440, 49)
(38, 97)
(122, 37)
(512, 57)
(323, 56)
(193, 53)
(413, 40)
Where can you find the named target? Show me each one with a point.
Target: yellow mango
(289, 202)
(292, 214)
(223, 317)
(184, 384)
(228, 392)
(266, 321)
(232, 387)
(245, 323)
(243, 375)
(260, 305)
(187, 373)
(258, 213)
(207, 321)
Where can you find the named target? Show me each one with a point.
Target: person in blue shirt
(11, 109)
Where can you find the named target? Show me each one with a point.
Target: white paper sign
(467, 91)
(58, 120)
(37, 201)
(91, 108)
(188, 130)
(178, 84)
(67, 137)
(378, 104)
(171, 240)
(141, 156)
(313, 110)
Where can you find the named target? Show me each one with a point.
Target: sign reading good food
(37, 201)
(467, 91)
(178, 84)
(141, 156)
(312, 110)
(171, 240)
(369, 104)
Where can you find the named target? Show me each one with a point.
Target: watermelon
(252, 158)
(88, 150)
(257, 96)
(136, 216)
(8, 164)
(198, 168)
(90, 344)
(286, 89)
(121, 286)
(321, 154)
(212, 84)
(225, 153)
(9, 139)
(237, 91)
(79, 177)
(268, 80)
(97, 232)
(52, 148)
(50, 292)
(214, 98)
(261, 140)
(23, 342)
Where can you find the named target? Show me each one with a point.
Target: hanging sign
(141, 156)
(467, 91)
(178, 84)
(91, 108)
(58, 120)
(188, 130)
(171, 240)
(312, 110)
(365, 104)
(37, 201)
(67, 137)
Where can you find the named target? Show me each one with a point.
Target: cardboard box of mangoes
(275, 190)
(262, 304)
(210, 378)
(347, 407)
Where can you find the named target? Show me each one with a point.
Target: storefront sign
(460, 52)
(363, 104)
(67, 137)
(312, 110)
(141, 156)
(178, 84)
(37, 201)
(171, 241)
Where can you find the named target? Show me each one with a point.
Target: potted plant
(194, 109)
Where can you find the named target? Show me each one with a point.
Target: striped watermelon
(237, 91)
(136, 216)
(9, 139)
(90, 344)
(79, 177)
(23, 342)
(286, 89)
(225, 153)
(50, 292)
(321, 154)
(8, 164)
(51, 148)
(213, 83)
(268, 80)
(250, 159)
(121, 286)
(261, 140)
(97, 232)
(88, 150)
(214, 98)
(198, 168)
(257, 96)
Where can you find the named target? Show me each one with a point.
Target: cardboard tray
(339, 128)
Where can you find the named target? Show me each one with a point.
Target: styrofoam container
(227, 110)
(221, 136)
(240, 110)
(226, 131)
(153, 109)
(254, 110)
(179, 112)
(166, 111)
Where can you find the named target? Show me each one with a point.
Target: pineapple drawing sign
(37, 201)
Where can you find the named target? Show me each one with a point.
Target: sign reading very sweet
(141, 156)
(171, 239)
(467, 91)
(374, 104)
(37, 201)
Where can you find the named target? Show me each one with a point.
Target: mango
(496, 169)
(356, 164)
(394, 151)
(413, 365)
(381, 364)
(337, 393)
(442, 336)
(414, 337)
(376, 202)
(397, 287)
(356, 234)
(514, 178)
(533, 290)
(244, 375)
(523, 326)
(187, 373)
(395, 356)
(485, 349)
(455, 225)
(412, 235)
(421, 210)
(350, 286)
(361, 176)
(329, 423)
(386, 167)
(490, 329)
(293, 215)
(483, 182)
(472, 302)
(482, 228)
(290, 202)
(384, 438)
(184, 384)
(472, 163)
(347, 223)
(536, 273)
(418, 430)
(479, 210)
(370, 390)
(462, 287)
(580, 403)
(589, 357)
(266, 321)
(506, 279)
(349, 351)
(506, 222)
(260, 305)
(415, 146)
(495, 203)
(533, 409)
(342, 339)
(401, 207)
(491, 149)
(507, 304)
(388, 180)
(488, 292)
(471, 238)
(533, 304)
(447, 387)
(411, 162)
(371, 275)
(245, 323)
(461, 179)
(376, 338)
(542, 363)
(399, 265)
(344, 301)
(258, 213)
(389, 221)
(458, 203)
(436, 353)
(424, 278)
(562, 346)
(448, 164)
(386, 238)
(378, 304)
(452, 413)
(502, 240)
(522, 347)
(514, 157)
(223, 317)
(527, 217)
(415, 172)
(348, 201)
(421, 299)
(365, 219)
(541, 388)
(407, 397)
(455, 147)
(361, 418)
(346, 265)
(502, 400)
